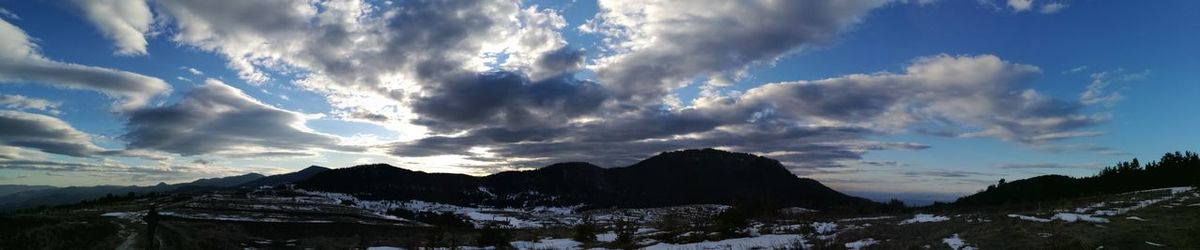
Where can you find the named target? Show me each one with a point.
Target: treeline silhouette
(1172, 170)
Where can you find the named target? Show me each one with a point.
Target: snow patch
(1070, 217)
(1028, 218)
(770, 241)
(116, 214)
(1135, 218)
(607, 237)
(860, 244)
(867, 218)
(547, 244)
(824, 227)
(645, 230)
(797, 210)
(1174, 190)
(1067, 217)
(529, 217)
(957, 243)
(922, 218)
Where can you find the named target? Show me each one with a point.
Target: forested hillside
(1172, 170)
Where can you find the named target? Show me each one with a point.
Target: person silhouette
(151, 220)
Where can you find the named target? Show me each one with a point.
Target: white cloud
(1052, 8)
(1020, 5)
(1075, 70)
(21, 62)
(125, 22)
(983, 93)
(20, 102)
(8, 14)
(658, 46)
(1096, 91)
(193, 71)
(372, 60)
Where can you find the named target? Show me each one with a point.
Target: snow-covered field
(770, 241)
(1124, 203)
(796, 228)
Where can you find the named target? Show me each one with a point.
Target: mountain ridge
(697, 176)
(292, 177)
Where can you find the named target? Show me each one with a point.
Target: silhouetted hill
(714, 176)
(705, 176)
(229, 181)
(382, 181)
(1172, 170)
(12, 189)
(577, 182)
(292, 177)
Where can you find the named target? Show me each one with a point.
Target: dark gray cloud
(506, 99)
(798, 147)
(218, 119)
(557, 62)
(44, 133)
(21, 62)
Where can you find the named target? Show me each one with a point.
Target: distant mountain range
(35, 196)
(12, 189)
(706, 176)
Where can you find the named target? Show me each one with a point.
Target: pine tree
(585, 231)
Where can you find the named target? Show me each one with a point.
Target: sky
(867, 96)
